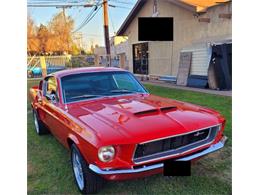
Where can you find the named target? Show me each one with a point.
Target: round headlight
(106, 153)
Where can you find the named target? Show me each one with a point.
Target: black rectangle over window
(155, 29)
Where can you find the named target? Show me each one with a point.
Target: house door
(140, 58)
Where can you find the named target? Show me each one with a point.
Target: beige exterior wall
(164, 56)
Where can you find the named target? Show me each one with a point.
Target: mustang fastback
(115, 129)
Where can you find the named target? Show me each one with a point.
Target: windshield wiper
(85, 96)
(122, 91)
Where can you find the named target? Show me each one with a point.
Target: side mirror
(52, 98)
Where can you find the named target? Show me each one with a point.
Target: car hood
(140, 118)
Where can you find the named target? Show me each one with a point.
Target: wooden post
(43, 65)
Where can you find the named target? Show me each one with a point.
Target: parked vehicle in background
(37, 71)
(115, 129)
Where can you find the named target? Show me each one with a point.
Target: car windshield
(83, 86)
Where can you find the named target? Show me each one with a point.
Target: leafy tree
(32, 41)
(61, 28)
(75, 50)
(43, 37)
(54, 39)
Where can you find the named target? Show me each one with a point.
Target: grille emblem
(198, 134)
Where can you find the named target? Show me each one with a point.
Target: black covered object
(197, 81)
(221, 63)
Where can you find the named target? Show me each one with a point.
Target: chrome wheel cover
(36, 122)
(77, 169)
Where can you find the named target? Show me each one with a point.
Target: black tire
(40, 128)
(92, 182)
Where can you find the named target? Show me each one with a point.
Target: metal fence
(56, 63)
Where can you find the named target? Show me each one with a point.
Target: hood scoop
(168, 108)
(155, 111)
(146, 112)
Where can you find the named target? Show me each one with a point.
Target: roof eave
(130, 16)
(183, 5)
(139, 5)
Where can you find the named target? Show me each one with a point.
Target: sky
(93, 32)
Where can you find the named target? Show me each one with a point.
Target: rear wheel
(87, 181)
(39, 126)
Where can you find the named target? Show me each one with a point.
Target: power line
(111, 21)
(87, 20)
(58, 3)
(122, 2)
(46, 1)
(92, 35)
(118, 6)
(75, 13)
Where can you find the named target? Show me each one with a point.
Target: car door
(39, 102)
(54, 118)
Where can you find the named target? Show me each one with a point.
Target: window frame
(45, 89)
(116, 95)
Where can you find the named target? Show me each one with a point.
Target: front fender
(88, 151)
(73, 138)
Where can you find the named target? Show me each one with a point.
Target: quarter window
(51, 87)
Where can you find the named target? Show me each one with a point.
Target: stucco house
(198, 27)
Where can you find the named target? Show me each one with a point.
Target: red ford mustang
(115, 129)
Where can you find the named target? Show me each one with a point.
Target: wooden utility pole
(106, 30)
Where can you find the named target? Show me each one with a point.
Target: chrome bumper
(211, 149)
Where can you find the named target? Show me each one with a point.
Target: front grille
(174, 145)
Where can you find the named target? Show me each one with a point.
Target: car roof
(66, 72)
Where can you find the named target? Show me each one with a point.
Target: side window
(51, 88)
(51, 85)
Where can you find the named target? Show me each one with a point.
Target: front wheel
(87, 181)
